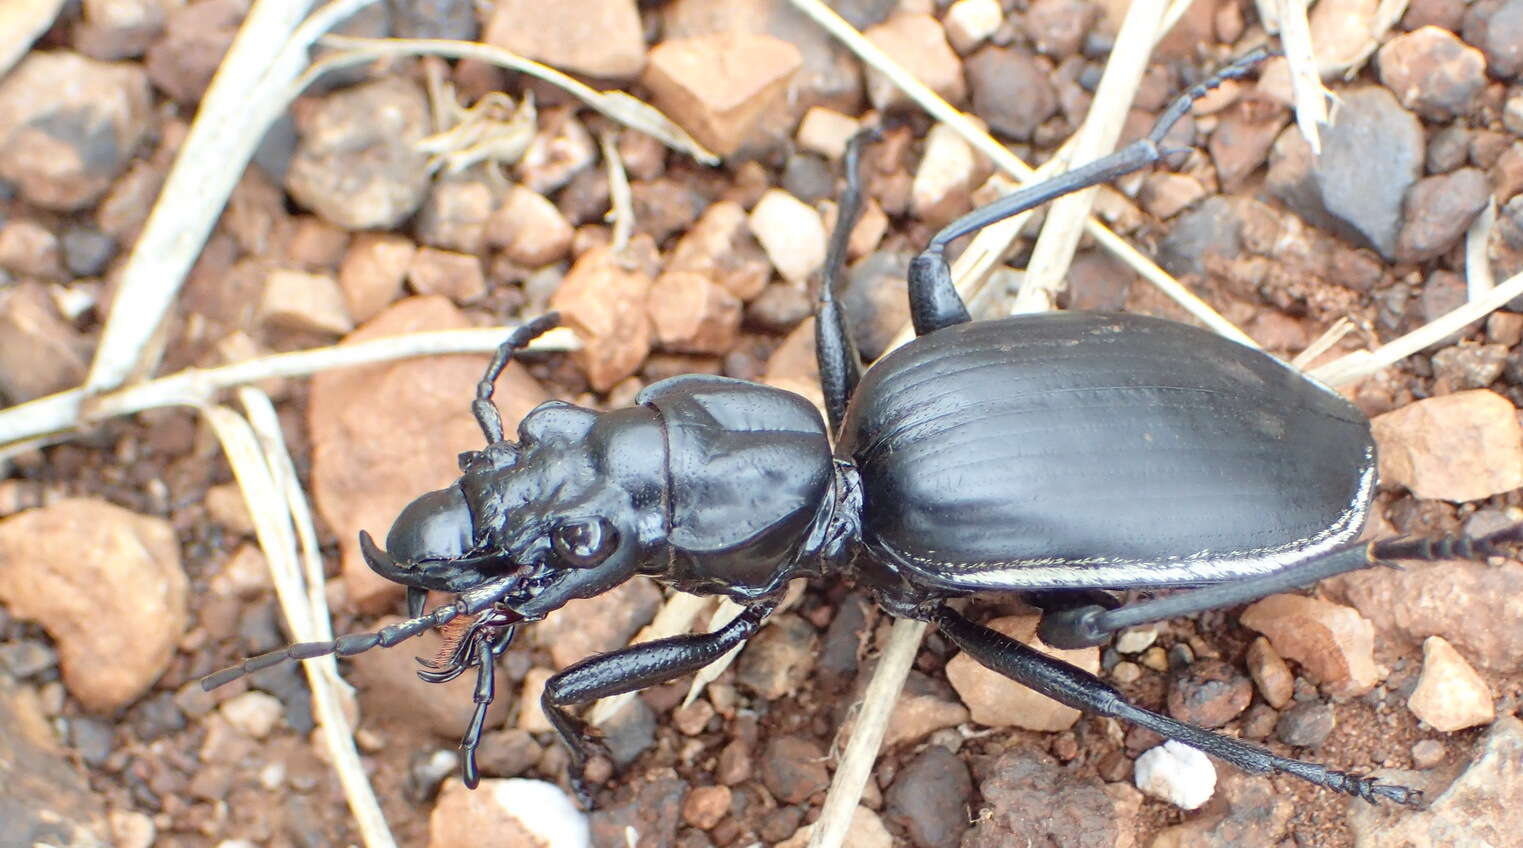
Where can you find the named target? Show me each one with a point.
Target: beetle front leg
(835, 352)
(629, 670)
(1077, 688)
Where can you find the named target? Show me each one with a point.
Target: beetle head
(569, 510)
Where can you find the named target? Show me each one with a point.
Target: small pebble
(1176, 773)
(1306, 725)
(1428, 753)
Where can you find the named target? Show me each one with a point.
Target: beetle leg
(840, 365)
(628, 670)
(1083, 626)
(482, 696)
(1081, 690)
(934, 301)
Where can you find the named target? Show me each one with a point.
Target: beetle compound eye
(584, 542)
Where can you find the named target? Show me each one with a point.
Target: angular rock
(719, 87)
(1029, 799)
(929, 798)
(603, 297)
(791, 233)
(124, 585)
(40, 352)
(1248, 810)
(654, 813)
(1432, 72)
(1176, 773)
(1058, 27)
(705, 806)
(28, 249)
(776, 661)
(866, 830)
(457, 276)
(918, 43)
(454, 217)
(1450, 696)
(600, 38)
(297, 300)
(21, 23)
(1242, 139)
(1438, 211)
(529, 229)
(1306, 725)
(196, 37)
(357, 163)
(720, 247)
(62, 145)
(1270, 673)
(1011, 91)
(384, 434)
(969, 22)
(1208, 693)
(44, 798)
(1371, 156)
(793, 768)
(1479, 808)
(1478, 607)
(997, 701)
(515, 811)
(826, 131)
(1459, 447)
(943, 186)
(1334, 644)
(372, 272)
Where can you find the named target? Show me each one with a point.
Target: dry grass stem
(1310, 96)
(1046, 273)
(1366, 362)
(1323, 343)
(61, 412)
(621, 204)
(1478, 276)
(1009, 162)
(616, 105)
(248, 92)
(257, 475)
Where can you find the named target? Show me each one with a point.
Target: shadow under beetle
(1057, 454)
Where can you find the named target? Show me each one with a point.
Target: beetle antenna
(469, 603)
(485, 411)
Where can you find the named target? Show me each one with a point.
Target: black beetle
(1058, 454)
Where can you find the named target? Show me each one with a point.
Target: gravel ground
(128, 567)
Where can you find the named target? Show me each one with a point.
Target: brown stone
(98, 578)
(1450, 696)
(719, 87)
(372, 272)
(601, 38)
(720, 246)
(529, 229)
(1333, 643)
(457, 276)
(40, 352)
(603, 298)
(919, 45)
(296, 300)
(1459, 447)
(693, 315)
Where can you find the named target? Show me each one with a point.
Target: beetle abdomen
(1081, 449)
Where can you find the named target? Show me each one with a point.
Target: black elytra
(1059, 455)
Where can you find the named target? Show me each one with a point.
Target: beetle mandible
(1058, 454)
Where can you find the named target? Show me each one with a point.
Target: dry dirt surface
(412, 194)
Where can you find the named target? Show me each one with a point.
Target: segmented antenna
(468, 603)
(482, 407)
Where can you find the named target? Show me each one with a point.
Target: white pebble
(543, 810)
(253, 712)
(1176, 773)
(791, 233)
(1135, 640)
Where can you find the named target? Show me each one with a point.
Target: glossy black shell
(1082, 449)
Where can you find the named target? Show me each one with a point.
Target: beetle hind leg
(835, 352)
(1081, 690)
(1092, 624)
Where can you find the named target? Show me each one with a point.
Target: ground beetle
(1058, 454)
